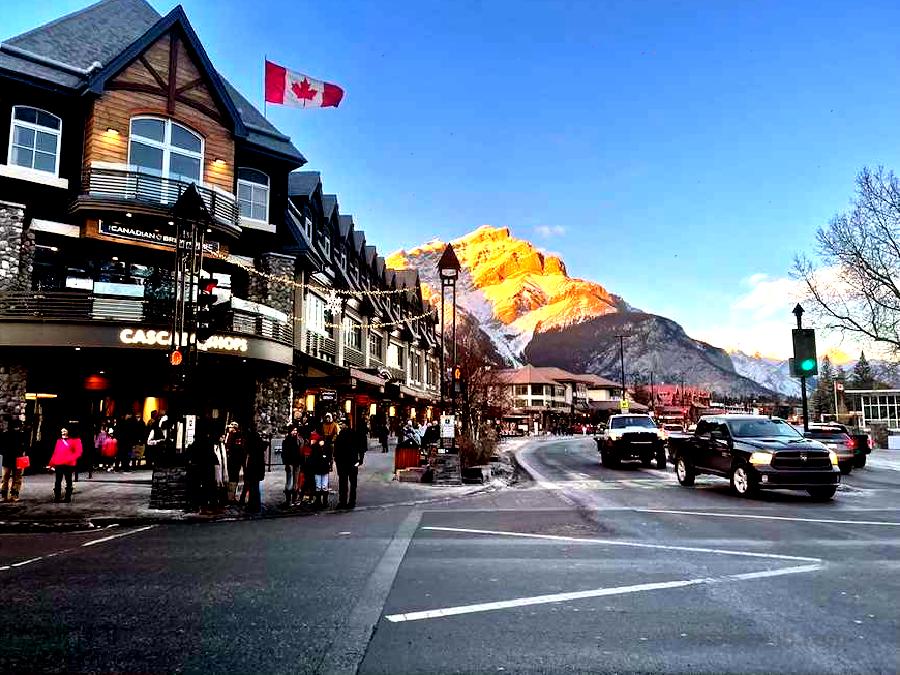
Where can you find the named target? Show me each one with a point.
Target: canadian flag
(290, 88)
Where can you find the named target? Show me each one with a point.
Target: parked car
(632, 437)
(838, 440)
(756, 453)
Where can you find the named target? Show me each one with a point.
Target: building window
(253, 194)
(307, 227)
(395, 355)
(317, 317)
(326, 241)
(376, 346)
(352, 333)
(161, 147)
(559, 391)
(520, 389)
(342, 258)
(416, 366)
(34, 139)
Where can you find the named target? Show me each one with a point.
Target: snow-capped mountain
(510, 287)
(771, 373)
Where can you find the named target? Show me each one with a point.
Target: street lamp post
(622, 360)
(448, 269)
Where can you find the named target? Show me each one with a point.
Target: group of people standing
(310, 451)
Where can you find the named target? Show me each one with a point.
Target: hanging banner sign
(448, 426)
(328, 395)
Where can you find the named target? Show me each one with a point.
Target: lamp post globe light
(448, 269)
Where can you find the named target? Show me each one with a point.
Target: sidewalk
(125, 497)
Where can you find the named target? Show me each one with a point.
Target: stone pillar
(275, 294)
(13, 380)
(16, 248)
(272, 407)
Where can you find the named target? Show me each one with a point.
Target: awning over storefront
(368, 378)
(613, 406)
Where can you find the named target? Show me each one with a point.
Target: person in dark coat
(254, 471)
(383, 436)
(202, 459)
(290, 457)
(349, 449)
(12, 447)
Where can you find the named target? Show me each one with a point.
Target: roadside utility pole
(622, 360)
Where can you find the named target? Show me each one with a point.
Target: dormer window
(307, 225)
(342, 258)
(253, 194)
(34, 139)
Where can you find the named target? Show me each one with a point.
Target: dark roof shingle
(345, 224)
(303, 183)
(329, 203)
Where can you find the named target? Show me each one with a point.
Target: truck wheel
(822, 494)
(609, 460)
(742, 481)
(846, 467)
(661, 459)
(645, 461)
(684, 472)
(860, 462)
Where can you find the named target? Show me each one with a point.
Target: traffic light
(457, 380)
(805, 362)
(176, 357)
(205, 300)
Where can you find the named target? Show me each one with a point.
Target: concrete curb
(100, 522)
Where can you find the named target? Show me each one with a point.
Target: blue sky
(681, 152)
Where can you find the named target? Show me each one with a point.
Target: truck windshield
(762, 428)
(631, 421)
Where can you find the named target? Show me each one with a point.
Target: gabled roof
(329, 203)
(64, 51)
(96, 33)
(524, 375)
(345, 226)
(407, 278)
(370, 254)
(359, 238)
(174, 19)
(599, 382)
(303, 183)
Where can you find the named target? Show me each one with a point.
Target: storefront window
(376, 346)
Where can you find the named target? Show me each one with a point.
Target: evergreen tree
(862, 377)
(823, 396)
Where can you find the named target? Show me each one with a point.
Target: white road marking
(94, 542)
(630, 544)
(758, 517)
(22, 563)
(594, 593)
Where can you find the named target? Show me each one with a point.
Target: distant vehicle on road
(756, 453)
(675, 428)
(632, 437)
(860, 442)
(837, 439)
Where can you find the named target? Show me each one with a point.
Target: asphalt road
(584, 569)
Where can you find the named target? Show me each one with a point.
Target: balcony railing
(321, 347)
(136, 187)
(354, 357)
(85, 306)
(397, 373)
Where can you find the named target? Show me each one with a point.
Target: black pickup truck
(756, 453)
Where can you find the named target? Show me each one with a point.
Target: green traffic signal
(807, 365)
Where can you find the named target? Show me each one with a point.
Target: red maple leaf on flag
(303, 91)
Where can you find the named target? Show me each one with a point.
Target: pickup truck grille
(640, 437)
(794, 460)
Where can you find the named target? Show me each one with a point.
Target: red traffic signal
(176, 357)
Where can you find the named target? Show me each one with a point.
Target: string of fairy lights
(333, 302)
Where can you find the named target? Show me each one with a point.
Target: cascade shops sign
(163, 338)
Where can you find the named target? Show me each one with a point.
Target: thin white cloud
(548, 231)
(760, 320)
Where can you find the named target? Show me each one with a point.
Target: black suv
(756, 453)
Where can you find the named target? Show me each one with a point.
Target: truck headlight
(832, 455)
(662, 434)
(615, 435)
(761, 458)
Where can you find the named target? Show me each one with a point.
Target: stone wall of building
(275, 294)
(13, 380)
(16, 248)
(272, 407)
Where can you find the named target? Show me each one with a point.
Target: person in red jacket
(64, 459)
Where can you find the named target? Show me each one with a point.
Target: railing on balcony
(321, 347)
(80, 306)
(354, 357)
(102, 184)
(397, 373)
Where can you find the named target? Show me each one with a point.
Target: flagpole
(265, 103)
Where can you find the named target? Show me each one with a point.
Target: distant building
(876, 405)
